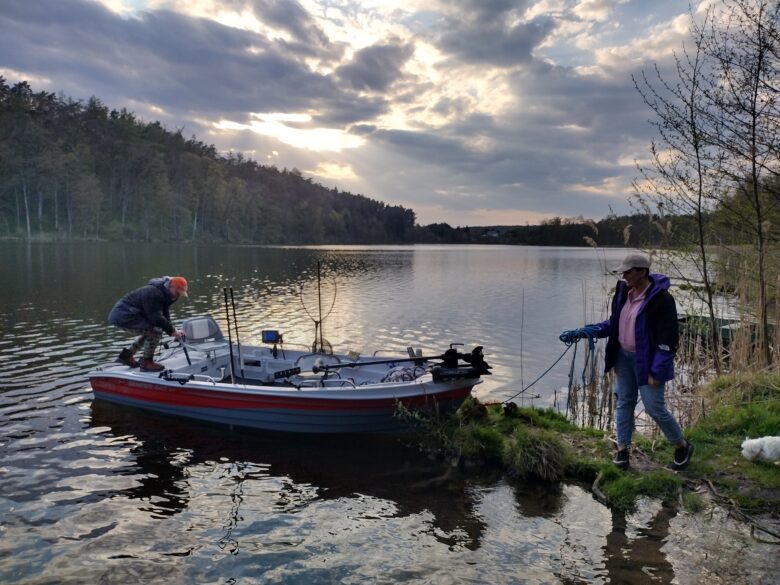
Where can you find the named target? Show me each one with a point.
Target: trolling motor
(451, 370)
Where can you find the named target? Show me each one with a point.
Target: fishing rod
(235, 324)
(230, 338)
(449, 360)
(326, 368)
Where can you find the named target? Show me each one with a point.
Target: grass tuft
(623, 489)
(693, 502)
(536, 454)
(481, 443)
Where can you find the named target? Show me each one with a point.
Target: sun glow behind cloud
(480, 216)
(608, 187)
(313, 139)
(32, 79)
(334, 171)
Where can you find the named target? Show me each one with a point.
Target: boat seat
(203, 333)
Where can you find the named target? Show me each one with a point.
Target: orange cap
(180, 284)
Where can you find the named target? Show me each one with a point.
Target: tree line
(74, 169)
(637, 229)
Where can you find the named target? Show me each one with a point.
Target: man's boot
(148, 365)
(126, 358)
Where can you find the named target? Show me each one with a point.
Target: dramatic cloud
(500, 43)
(468, 111)
(375, 68)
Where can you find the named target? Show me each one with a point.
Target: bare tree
(718, 126)
(682, 177)
(743, 43)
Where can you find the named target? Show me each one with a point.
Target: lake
(95, 493)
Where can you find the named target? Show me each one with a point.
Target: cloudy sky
(473, 112)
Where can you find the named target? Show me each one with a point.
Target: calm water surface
(95, 493)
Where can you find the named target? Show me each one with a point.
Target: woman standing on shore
(642, 336)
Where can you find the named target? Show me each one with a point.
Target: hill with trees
(73, 169)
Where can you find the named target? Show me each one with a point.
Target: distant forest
(79, 170)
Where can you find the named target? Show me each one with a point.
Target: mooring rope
(568, 347)
(570, 339)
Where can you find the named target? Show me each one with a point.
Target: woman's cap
(634, 261)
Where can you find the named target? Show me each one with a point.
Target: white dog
(767, 448)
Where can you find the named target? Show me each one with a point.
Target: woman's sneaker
(682, 456)
(621, 458)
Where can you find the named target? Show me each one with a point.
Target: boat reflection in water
(183, 464)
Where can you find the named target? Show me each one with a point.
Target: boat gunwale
(373, 391)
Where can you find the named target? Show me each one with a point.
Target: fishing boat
(271, 387)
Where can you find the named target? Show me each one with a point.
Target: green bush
(543, 418)
(471, 410)
(744, 387)
(583, 469)
(751, 420)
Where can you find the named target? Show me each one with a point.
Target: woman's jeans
(652, 397)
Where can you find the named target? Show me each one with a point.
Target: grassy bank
(543, 445)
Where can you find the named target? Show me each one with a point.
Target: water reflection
(252, 479)
(167, 452)
(628, 549)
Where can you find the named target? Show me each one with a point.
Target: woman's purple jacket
(656, 331)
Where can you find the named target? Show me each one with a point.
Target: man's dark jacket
(656, 331)
(145, 307)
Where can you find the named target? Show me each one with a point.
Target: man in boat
(146, 312)
(642, 341)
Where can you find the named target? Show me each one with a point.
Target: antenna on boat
(230, 338)
(235, 325)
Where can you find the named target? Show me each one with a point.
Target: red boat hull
(354, 410)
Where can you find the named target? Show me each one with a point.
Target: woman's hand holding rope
(589, 332)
